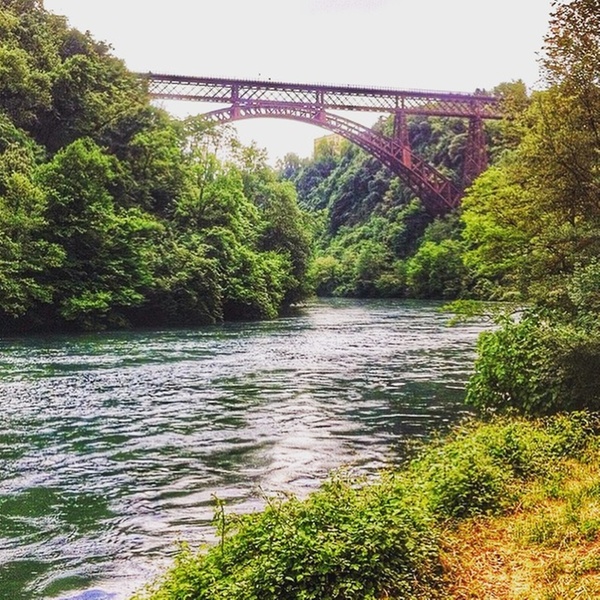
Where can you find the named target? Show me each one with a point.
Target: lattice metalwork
(312, 104)
(329, 97)
(437, 192)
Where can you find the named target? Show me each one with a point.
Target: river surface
(113, 446)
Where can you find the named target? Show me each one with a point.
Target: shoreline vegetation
(506, 509)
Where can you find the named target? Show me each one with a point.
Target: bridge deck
(329, 97)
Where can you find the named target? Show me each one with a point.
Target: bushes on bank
(539, 364)
(347, 540)
(355, 539)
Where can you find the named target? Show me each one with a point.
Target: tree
(572, 46)
(187, 285)
(287, 231)
(546, 201)
(536, 217)
(436, 271)
(570, 118)
(91, 94)
(500, 222)
(290, 165)
(155, 174)
(18, 152)
(560, 155)
(106, 267)
(25, 253)
(24, 91)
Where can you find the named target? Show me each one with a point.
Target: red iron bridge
(315, 103)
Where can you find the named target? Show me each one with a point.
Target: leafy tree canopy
(112, 213)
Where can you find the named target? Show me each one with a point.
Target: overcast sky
(454, 45)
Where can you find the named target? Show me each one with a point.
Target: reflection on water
(113, 446)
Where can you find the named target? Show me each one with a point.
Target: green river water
(113, 446)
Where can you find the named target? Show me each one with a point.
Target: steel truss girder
(437, 192)
(327, 97)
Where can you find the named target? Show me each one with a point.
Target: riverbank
(511, 505)
(546, 548)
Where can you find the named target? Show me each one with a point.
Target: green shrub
(480, 468)
(346, 541)
(463, 481)
(471, 473)
(537, 365)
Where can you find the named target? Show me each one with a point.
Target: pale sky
(448, 45)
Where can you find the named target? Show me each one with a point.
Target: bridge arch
(437, 192)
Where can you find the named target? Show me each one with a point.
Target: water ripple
(114, 446)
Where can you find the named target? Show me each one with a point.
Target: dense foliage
(532, 233)
(360, 540)
(113, 213)
(528, 230)
(537, 364)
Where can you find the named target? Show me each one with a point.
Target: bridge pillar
(476, 160)
(321, 115)
(401, 136)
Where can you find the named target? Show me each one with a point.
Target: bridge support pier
(401, 136)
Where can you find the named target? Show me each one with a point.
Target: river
(113, 446)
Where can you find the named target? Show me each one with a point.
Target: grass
(547, 548)
(508, 510)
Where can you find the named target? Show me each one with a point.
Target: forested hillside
(376, 238)
(112, 213)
